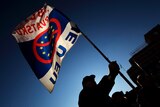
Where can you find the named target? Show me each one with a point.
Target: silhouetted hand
(114, 68)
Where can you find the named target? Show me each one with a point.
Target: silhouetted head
(118, 97)
(89, 81)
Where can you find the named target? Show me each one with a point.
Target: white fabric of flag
(44, 39)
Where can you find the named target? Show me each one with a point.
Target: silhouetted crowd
(147, 94)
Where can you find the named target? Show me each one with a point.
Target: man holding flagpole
(97, 95)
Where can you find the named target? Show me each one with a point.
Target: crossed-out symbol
(37, 44)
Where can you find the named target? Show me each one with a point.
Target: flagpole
(130, 84)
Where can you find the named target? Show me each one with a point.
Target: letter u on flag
(44, 39)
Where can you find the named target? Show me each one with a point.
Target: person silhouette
(119, 99)
(97, 95)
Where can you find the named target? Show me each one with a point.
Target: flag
(44, 39)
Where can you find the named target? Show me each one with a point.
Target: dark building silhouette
(147, 59)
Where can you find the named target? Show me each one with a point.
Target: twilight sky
(117, 27)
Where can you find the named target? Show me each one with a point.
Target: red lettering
(39, 26)
(46, 19)
(43, 23)
(33, 17)
(29, 29)
(41, 12)
(33, 25)
(19, 32)
(24, 31)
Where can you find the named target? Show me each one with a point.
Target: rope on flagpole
(130, 84)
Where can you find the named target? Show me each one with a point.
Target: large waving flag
(44, 39)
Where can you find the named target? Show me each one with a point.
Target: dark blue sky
(117, 27)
